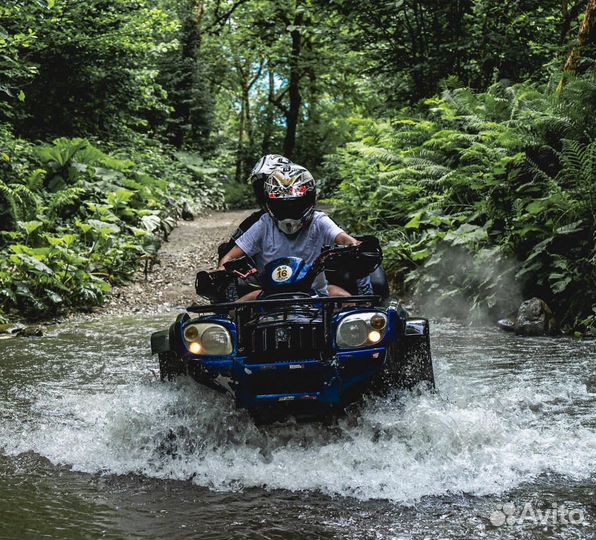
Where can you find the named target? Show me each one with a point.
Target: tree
(184, 76)
(586, 36)
(95, 67)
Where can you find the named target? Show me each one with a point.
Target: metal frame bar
(328, 304)
(334, 300)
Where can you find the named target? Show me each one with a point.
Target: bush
(76, 220)
(492, 195)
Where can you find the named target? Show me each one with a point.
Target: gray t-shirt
(265, 243)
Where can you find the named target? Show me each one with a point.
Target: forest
(462, 133)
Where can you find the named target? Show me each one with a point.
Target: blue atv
(290, 352)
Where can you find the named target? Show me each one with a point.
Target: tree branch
(256, 77)
(278, 103)
(220, 20)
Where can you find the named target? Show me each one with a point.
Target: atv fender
(169, 340)
(415, 360)
(175, 334)
(160, 341)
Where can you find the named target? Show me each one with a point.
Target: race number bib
(281, 273)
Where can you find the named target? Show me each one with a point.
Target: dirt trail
(192, 246)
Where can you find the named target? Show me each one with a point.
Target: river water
(93, 445)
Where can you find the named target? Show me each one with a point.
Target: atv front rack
(327, 303)
(273, 302)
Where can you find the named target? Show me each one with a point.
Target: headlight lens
(360, 330)
(208, 339)
(352, 333)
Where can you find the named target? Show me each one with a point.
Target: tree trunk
(268, 128)
(294, 87)
(245, 128)
(190, 44)
(242, 127)
(586, 35)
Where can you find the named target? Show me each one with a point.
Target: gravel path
(192, 246)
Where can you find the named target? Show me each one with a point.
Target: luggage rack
(327, 303)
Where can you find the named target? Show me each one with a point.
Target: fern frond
(428, 167)
(382, 155)
(63, 199)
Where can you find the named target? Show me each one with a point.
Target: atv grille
(285, 342)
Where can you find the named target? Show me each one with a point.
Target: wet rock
(507, 324)
(31, 331)
(10, 328)
(534, 318)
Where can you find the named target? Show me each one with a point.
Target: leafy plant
(481, 198)
(86, 219)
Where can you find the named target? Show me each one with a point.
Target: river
(93, 445)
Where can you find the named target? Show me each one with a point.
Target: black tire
(387, 379)
(170, 366)
(414, 362)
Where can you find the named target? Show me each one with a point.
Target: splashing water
(508, 412)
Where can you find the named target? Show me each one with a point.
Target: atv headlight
(361, 330)
(208, 339)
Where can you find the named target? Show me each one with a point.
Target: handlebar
(357, 261)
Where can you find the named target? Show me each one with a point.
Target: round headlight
(374, 336)
(194, 347)
(215, 340)
(361, 330)
(352, 333)
(208, 339)
(378, 321)
(191, 333)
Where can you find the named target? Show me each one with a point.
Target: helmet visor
(291, 208)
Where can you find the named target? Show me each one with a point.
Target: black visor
(291, 208)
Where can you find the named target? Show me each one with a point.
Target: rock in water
(507, 324)
(10, 328)
(31, 331)
(534, 318)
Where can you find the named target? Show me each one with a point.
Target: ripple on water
(508, 411)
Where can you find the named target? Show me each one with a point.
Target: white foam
(472, 437)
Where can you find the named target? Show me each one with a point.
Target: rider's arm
(344, 239)
(234, 253)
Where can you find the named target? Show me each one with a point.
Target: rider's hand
(344, 239)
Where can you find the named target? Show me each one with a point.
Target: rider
(262, 169)
(289, 225)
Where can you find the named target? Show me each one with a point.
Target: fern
(18, 201)
(381, 155)
(63, 199)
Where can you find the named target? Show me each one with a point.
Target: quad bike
(291, 352)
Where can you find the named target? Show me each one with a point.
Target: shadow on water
(94, 446)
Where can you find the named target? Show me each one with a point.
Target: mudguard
(175, 334)
(415, 360)
(160, 341)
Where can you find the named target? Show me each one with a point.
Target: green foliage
(83, 219)
(415, 46)
(239, 195)
(90, 66)
(493, 195)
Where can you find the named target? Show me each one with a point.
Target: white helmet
(260, 172)
(290, 196)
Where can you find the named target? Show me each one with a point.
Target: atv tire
(408, 363)
(170, 366)
(414, 361)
